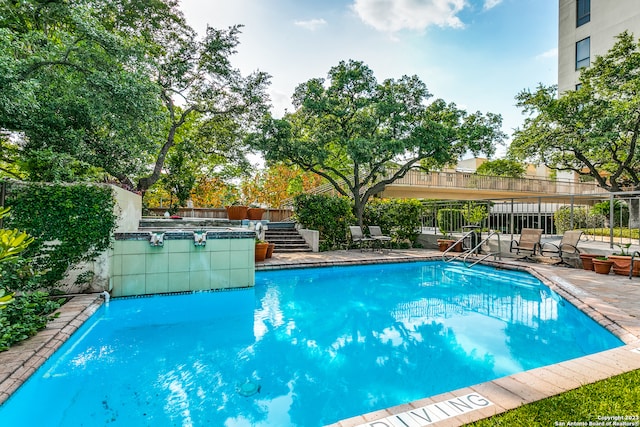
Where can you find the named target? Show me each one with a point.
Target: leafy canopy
(361, 135)
(592, 131)
(502, 167)
(103, 86)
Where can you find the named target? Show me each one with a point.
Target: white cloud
(490, 4)
(396, 15)
(312, 24)
(550, 54)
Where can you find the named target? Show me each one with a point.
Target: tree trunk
(358, 208)
(146, 182)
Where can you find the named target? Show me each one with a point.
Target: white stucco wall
(128, 209)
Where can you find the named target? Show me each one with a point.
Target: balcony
(455, 185)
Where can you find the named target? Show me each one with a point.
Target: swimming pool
(303, 348)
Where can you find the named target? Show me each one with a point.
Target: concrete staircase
(286, 237)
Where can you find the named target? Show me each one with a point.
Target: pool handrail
(486, 239)
(451, 247)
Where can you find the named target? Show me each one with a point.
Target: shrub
(399, 218)
(582, 218)
(475, 214)
(330, 215)
(25, 316)
(620, 212)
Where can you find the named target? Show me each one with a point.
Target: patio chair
(567, 247)
(357, 236)
(529, 242)
(376, 233)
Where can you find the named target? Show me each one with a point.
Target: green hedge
(71, 223)
(399, 218)
(330, 215)
(582, 218)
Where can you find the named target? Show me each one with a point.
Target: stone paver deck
(610, 300)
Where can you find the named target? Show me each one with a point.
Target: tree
(109, 83)
(502, 167)
(361, 135)
(74, 83)
(592, 131)
(278, 184)
(198, 76)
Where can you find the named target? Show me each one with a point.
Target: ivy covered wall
(71, 224)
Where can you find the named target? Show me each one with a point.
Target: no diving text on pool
(430, 414)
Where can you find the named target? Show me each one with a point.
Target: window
(584, 12)
(578, 86)
(583, 48)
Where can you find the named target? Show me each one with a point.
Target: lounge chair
(357, 236)
(376, 233)
(529, 242)
(568, 246)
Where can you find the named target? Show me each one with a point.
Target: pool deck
(611, 300)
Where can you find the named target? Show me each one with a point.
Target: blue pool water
(304, 348)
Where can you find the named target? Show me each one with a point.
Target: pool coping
(21, 360)
(24, 358)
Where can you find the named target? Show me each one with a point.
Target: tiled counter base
(21, 360)
(144, 263)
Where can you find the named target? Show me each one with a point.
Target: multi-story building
(587, 28)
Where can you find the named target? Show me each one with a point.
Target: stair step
(282, 225)
(286, 238)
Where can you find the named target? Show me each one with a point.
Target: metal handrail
(471, 251)
(450, 248)
(631, 266)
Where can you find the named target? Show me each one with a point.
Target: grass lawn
(617, 396)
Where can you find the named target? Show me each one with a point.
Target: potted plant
(622, 261)
(236, 212)
(587, 260)
(255, 213)
(602, 265)
(272, 246)
(261, 250)
(443, 244)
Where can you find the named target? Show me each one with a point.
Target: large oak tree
(109, 83)
(593, 130)
(361, 135)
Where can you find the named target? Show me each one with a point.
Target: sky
(478, 54)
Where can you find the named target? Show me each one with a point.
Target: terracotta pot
(255, 214)
(602, 266)
(272, 246)
(236, 212)
(443, 244)
(261, 251)
(587, 260)
(622, 264)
